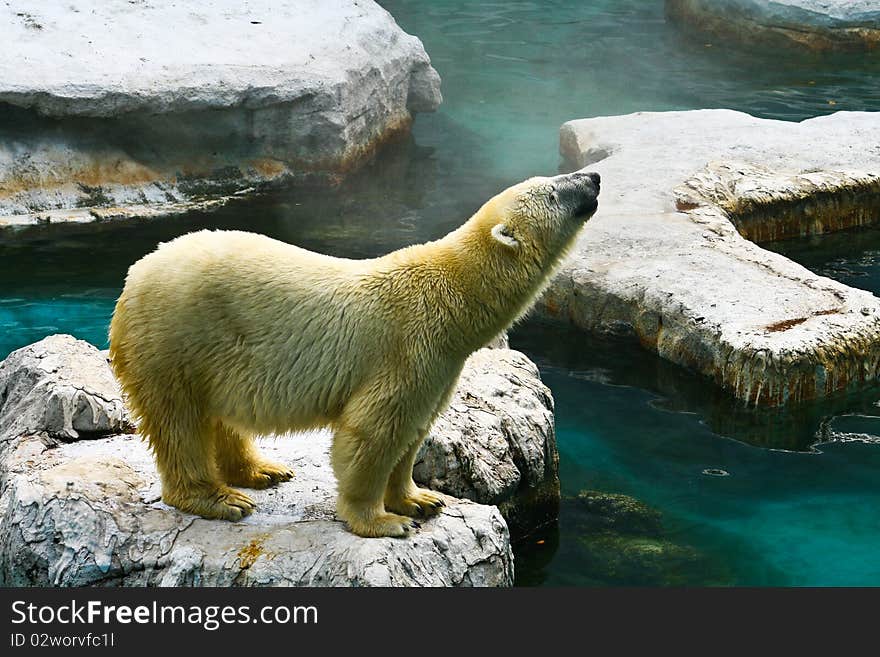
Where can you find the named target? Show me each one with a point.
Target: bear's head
(539, 218)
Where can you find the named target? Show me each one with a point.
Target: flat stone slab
(109, 57)
(147, 119)
(664, 258)
(80, 496)
(811, 24)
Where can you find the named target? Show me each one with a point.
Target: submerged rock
(622, 541)
(636, 560)
(812, 24)
(615, 512)
(145, 120)
(80, 499)
(668, 257)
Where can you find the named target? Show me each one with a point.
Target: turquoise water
(789, 512)
(628, 422)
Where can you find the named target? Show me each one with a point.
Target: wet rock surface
(664, 259)
(818, 25)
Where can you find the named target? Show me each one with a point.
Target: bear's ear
(504, 235)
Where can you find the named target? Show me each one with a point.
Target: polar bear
(222, 335)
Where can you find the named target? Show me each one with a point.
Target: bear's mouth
(586, 209)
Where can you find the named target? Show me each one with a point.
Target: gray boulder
(811, 24)
(80, 499)
(496, 444)
(61, 387)
(233, 99)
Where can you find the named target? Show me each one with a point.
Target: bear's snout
(591, 175)
(582, 192)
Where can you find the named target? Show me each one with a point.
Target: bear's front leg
(403, 496)
(363, 461)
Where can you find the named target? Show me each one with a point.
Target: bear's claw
(223, 503)
(262, 475)
(385, 524)
(421, 503)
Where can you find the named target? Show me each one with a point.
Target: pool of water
(788, 511)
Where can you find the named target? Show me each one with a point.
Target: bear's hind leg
(403, 496)
(184, 451)
(240, 462)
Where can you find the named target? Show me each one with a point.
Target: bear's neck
(478, 291)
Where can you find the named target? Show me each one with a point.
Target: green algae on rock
(623, 542)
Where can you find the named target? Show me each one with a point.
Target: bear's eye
(554, 197)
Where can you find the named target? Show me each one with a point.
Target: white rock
(662, 257)
(814, 24)
(109, 57)
(235, 97)
(88, 512)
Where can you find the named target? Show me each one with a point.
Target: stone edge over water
(810, 24)
(663, 260)
(268, 93)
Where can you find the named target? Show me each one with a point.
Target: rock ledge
(665, 259)
(80, 497)
(147, 120)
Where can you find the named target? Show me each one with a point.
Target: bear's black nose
(594, 178)
(585, 194)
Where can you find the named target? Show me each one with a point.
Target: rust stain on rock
(551, 307)
(786, 324)
(91, 173)
(267, 167)
(249, 554)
